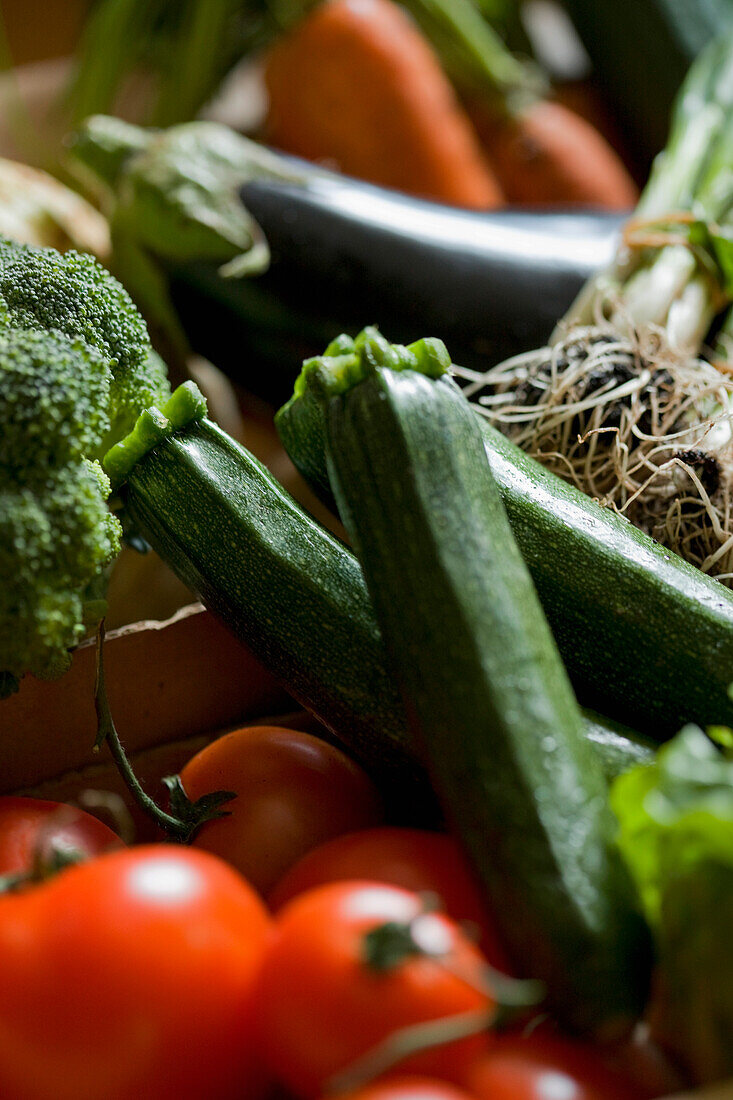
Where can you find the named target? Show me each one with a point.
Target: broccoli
(54, 404)
(76, 368)
(55, 541)
(72, 293)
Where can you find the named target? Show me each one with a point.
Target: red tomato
(322, 1004)
(543, 1067)
(406, 1088)
(293, 792)
(640, 1059)
(30, 827)
(131, 978)
(411, 858)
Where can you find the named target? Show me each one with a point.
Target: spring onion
(626, 401)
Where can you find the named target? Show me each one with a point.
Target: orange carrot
(356, 85)
(548, 155)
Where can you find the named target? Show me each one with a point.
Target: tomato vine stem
(180, 826)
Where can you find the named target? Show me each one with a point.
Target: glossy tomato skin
(29, 826)
(639, 1059)
(414, 859)
(535, 1067)
(293, 790)
(406, 1088)
(131, 978)
(321, 1006)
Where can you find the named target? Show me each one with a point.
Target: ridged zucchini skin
(346, 253)
(616, 747)
(284, 585)
(646, 637)
(296, 596)
(487, 697)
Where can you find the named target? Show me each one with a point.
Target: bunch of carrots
(357, 86)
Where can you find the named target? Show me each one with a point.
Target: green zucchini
(488, 700)
(646, 637)
(285, 586)
(617, 748)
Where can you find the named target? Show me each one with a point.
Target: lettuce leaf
(676, 835)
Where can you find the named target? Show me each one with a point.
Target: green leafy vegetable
(676, 835)
(674, 809)
(55, 540)
(172, 197)
(42, 289)
(76, 368)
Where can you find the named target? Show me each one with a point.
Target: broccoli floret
(76, 369)
(42, 289)
(55, 540)
(55, 401)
